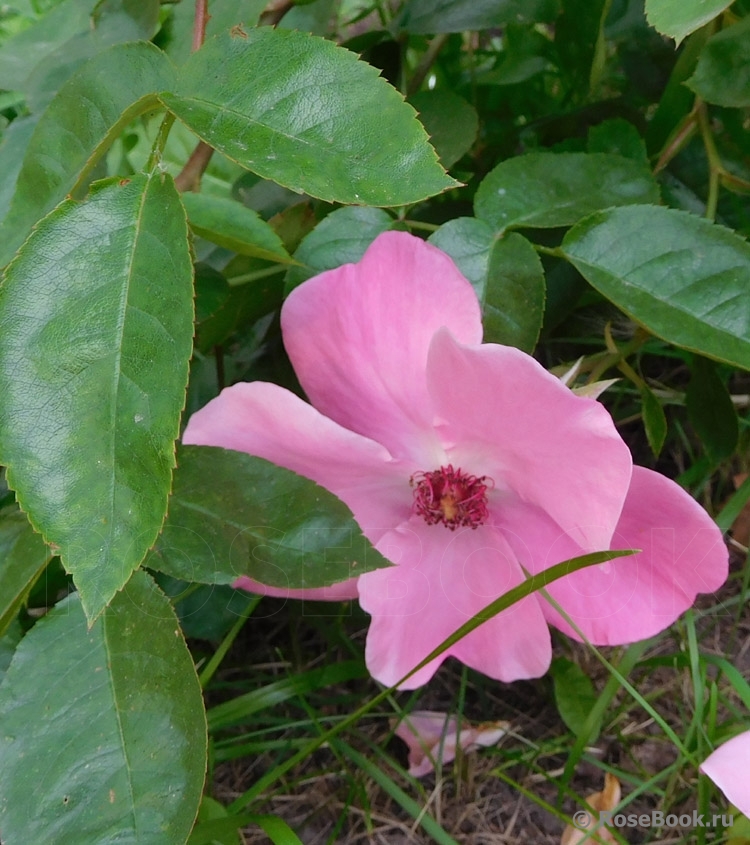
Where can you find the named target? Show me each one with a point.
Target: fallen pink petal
(434, 737)
(727, 768)
(465, 464)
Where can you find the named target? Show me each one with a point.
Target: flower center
(451, 496)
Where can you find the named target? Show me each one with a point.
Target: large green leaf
(75, 131)
(230, 224)
(23, 556)
(231, 514)
(506, 274)
(422, 17)
(544, 190)
(95, 337)
(340, 238)
(682, 277)
(104, 733)
(678, 18)
(315, 119)
(723, 72)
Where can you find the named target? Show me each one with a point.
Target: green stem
(157, 150)
(220, 653)
(555, 251)
(236, 281)
(419, 225)
(715, 167)
(427, 61)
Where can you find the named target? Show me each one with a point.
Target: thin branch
(199, 24)
(274, 12)
(433, 49)
(189, 178)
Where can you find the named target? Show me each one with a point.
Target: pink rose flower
(464, 464)
(433, 736)
(727, 768)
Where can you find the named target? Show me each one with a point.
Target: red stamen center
(451, 496)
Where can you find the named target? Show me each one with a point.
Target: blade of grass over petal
(526, 588)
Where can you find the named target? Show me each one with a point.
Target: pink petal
(442, 579)
(342, 591)
(727, 768)
(504, 416)
(432, 736)
(358, 338)
(634, 597)
(269, 422)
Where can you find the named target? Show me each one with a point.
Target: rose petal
(727, 768)
(506, 417)
(342, 591)
(269, 422)
(442, 579)
(432, 736)
(358, 338)
(635, 597)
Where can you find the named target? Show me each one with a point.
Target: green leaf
(506, 274)
(545, 190)
(469, 243)
(211, 292)
(678, 18)
(575, 696)
(230, 224)
(112, 22)
(340, 238)
(723, 72)
(21, 53)
(104, 733)
(127, 20)
(8, 644)
(232, 514)
(711, 411)
(242, 305)
(654, 420)
(619, 137)
(214, 826)
(95, 337)
(579, 36)
(513, 299)
(76, 130)
(315, 119)
(223, 15)
(422, 17)
(23, 556)
(450, 121)
(683, 278)
(12, 151)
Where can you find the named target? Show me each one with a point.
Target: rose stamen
(451, 496)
